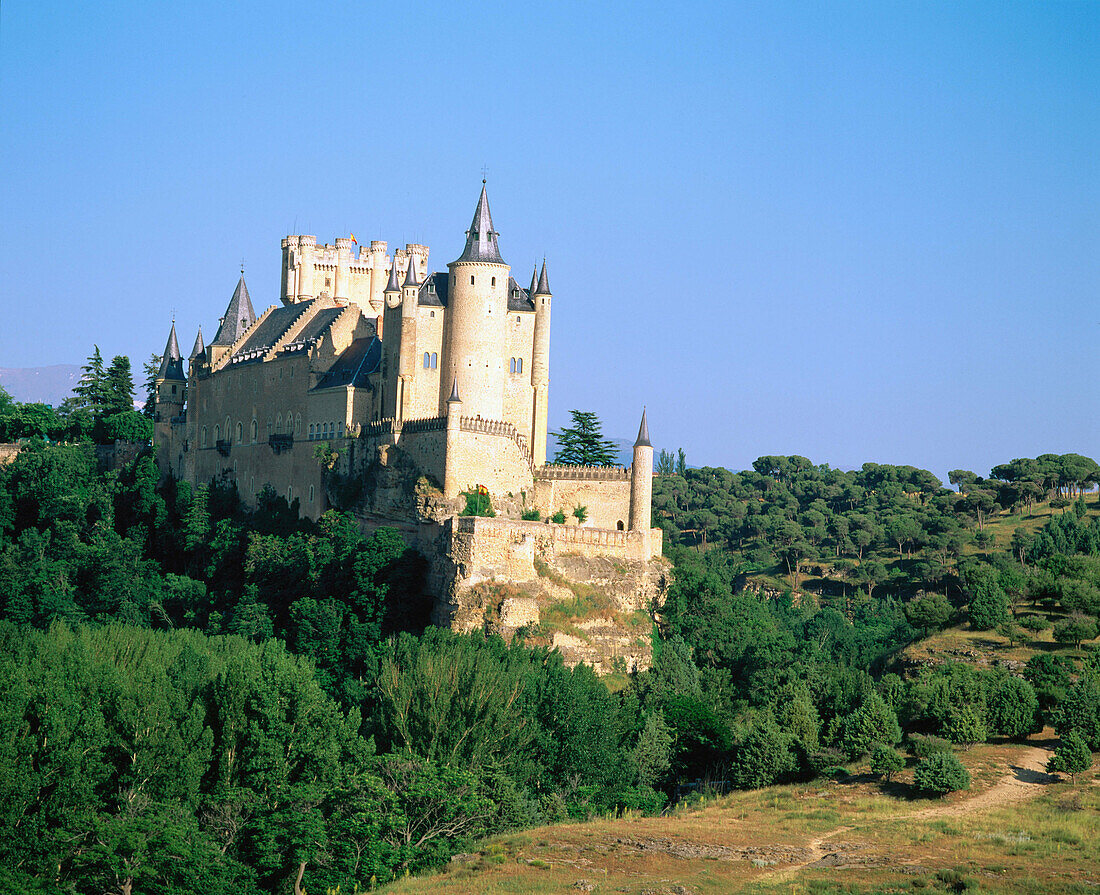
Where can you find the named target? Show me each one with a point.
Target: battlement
(590, 541)
(564, 472)
(495, 427)
(391, 426)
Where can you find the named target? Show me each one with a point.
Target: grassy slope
(861, 836)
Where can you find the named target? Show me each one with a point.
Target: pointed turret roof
(534, 280)
(200, 346)
(544, 284)
(454, 399)
(171, 364)
(393, 285)
(239, 316)
(643, 433)
(410, 274)
(481, 238)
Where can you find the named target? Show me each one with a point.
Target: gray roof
(264, 336)
(355, 363)
(518, 298)
(481, 238)
(171, 364)
(544, 285)
(434, 290)
(410, 274)
(393, 285)
(200, 347)
(239, 316)
(454, 399)
(643, 433)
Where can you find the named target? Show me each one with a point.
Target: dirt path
(1024, 780)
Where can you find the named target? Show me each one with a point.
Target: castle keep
(421, 384)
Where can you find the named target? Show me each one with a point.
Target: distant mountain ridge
(46, 385)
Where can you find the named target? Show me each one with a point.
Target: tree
(128, 425)
(966, 726)
(940, 774)
(886, 761)
(763, 757)
(150, 369)
(1075, 629)
(92, 388)
(988, 601)
(583, 444)
(873, 722)
(653, 753)
(1072, 756)
(666, 463)
(928, 611)
(118, 386)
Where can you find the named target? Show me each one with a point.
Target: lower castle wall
(494, 461)
(608, 502)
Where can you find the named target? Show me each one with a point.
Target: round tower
(171, 392)
(474, 337)
(391, 343)
(377, 277)
(641, 480)
(540, 366)
(451, 485)
(341, 285)
(406, 384)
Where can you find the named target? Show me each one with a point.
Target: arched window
(279, 423)
(619, 525)
(512, 365)
(203, 442)
(255, 430)
(217, 433)
(427, 361)
(471, 279)
(240, 433)
(435, 359)
(228, 430)
(298, 424)
(311, 431)
(289, 423)
(493, 281)
(519, 364)
(289, 493)
(311, 494)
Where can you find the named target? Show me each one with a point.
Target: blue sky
(852, 231)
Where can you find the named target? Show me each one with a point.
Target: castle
(386, 364)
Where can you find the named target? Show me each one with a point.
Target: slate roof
(355, 363)
(434, 290)
(239, 316)
(171, 364)
(200, 347)
(410, 274)
(481, 238)
(518, 298)
(643, 433)
(544, 285)
(269, 331)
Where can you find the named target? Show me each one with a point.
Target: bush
(531, 515)
(924, 746)
(1034, 623)
(1072, 756)
(940, 774)
(1074, 629)
(885, 761)
(966, 726)
(477, 504)
(558, 517)
(580, 514)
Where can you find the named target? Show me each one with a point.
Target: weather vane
(484, 173)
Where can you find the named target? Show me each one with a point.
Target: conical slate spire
(200, 346)
(410, 274)
(643, 433)
(544, 284)
(239, 316)
(393, 285)
(454, 399)
(171, 364)
(481, 238)
(534, 280)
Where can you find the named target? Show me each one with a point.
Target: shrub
(580, 513)
(966, 726)
(940, 774)
(558, 517)
(885, 761)
(1072, 756)
(923, 746)
(531, 515)
(477, 504)
(1034, 623)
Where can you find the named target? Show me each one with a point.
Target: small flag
(353, 239)
(481, 489)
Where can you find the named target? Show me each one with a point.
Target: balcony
(280, 443)
(223, 447)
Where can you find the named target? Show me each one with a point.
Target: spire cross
(242, 267)
(484, 173)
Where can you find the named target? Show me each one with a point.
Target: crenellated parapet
(495, 427)
(565, 472)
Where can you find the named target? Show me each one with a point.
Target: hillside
(857, 836)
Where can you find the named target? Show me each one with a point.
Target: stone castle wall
(605, 494)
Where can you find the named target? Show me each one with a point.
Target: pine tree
(119, 386)
(92, 388)
(151, 367)
(583, 444)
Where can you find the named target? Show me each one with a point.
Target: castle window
(427, 361)
(203, 442)
(240, 433)
(289, 492)
(619, 525)
(435, 359)
(228, 430)
(173, 389)
(255, 430)
(432, 313)
(519, 364)
(311, 431)
(298, 424)
(279, 423)
(217, 433)
(252, 483)
(328, 281)
(311, 494)
(493, 281)
(471, 279)
(512, 365)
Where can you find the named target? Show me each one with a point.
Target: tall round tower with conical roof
(474, 339)
(641, 480)
(540, 367)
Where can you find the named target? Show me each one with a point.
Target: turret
(474, 345)
(540, 365)
(378, 271)
(407, 361)
(171, 389)
(641, 480)
(341, 284)
(451, 485)
(199, 348)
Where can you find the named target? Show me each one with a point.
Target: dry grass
(865, 837)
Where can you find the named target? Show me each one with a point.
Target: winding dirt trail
(1024, 780)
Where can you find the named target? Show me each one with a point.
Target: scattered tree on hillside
(1072, 756)
(583, 444)
(940, 774)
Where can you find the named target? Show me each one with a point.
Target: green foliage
(477, 504)
(558, 518)
(1072, 756)
(583, 444)
(763, 757)
(1014, 709)
(873, 722)
(928, 611)
(531, 515)
(1076, 628)
(988, 603)
(580, 513)
(128, 425)
(966, 725)
(886, 761)
(940, 774)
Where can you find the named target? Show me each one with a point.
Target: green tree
(653, 752)
(583, 444)
(928, 611)
(1074, 629)
(873, 722)
(150, 369)
(763, 757)
(127, 425)
(118, 386)
(1013, 708)
(940, 774)
(966, 726)
(92, 390)
(886, 761)
(1072, 756)
(988, 604)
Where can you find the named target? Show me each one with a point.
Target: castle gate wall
(604, 492)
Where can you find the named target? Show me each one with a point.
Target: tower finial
(643, 432)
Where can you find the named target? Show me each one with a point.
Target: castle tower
(474, 338)
(641, 480)
(341, 284)
(391, 344)
(377, 281)
(540, 367)
(406, 384)
(451, 485)
(239, 316)
(171, 390)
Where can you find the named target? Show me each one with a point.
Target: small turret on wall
(641, 480)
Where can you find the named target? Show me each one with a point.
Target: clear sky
(852, 231)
